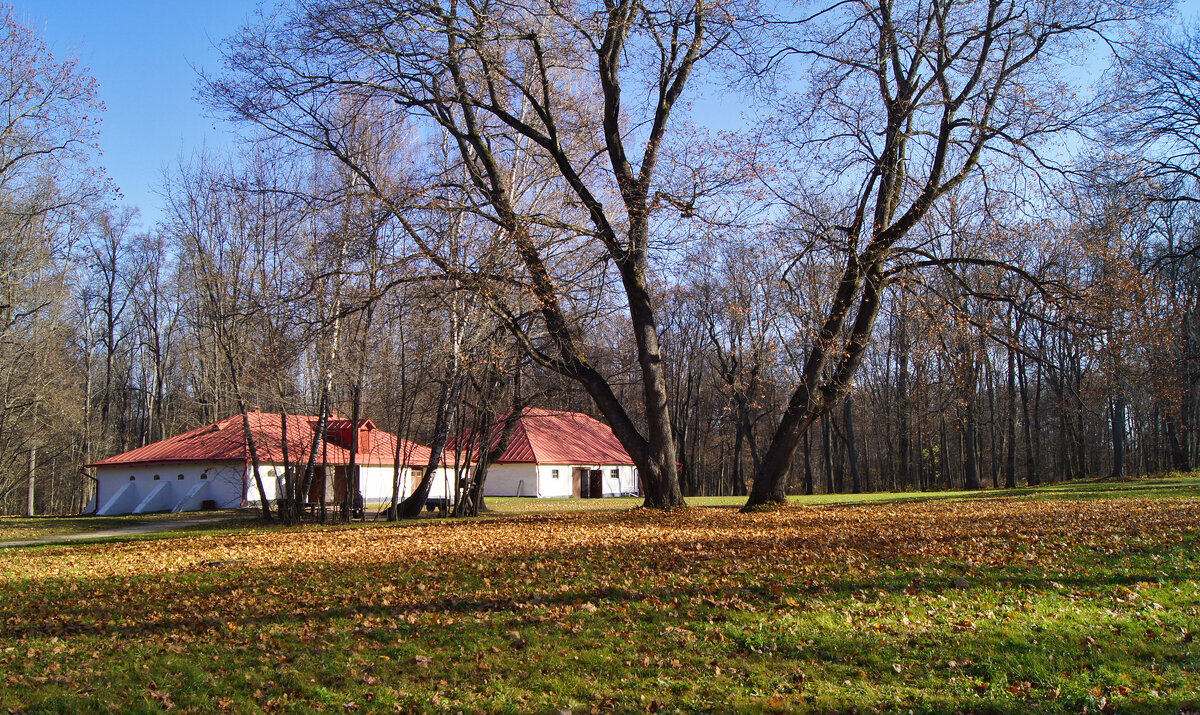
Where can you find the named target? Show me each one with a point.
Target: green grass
(1050, 600)
(17, 528)
(1047, 600)
(1156, 487)
(21, 528)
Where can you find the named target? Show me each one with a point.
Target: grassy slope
(1057, 599)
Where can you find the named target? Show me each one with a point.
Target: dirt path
(145, 527)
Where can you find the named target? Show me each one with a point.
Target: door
(339, 484)
(597, 484)
(318, 483)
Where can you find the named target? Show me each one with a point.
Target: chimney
(364, 438)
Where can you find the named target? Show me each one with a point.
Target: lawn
(16, 528)
(1056, 599)
(13, 528)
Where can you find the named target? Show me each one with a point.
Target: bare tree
(549, 86)
(920, 97)
(216, 238)
(48, 127)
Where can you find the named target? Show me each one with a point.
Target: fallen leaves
(691, 581)
(982, 531)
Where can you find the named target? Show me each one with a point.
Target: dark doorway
(588, 483)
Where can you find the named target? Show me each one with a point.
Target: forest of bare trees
(941, 249)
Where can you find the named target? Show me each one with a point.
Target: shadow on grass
(1133, 488)
(146, 604)
(764, 618)
(745, 627)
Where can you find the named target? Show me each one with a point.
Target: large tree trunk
(827, 452)
(1118, 436)
(971, 449)
(808, 472)
(862, 282)
(659, 474)
(851, 448)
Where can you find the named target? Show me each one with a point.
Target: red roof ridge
(225, 441)
(545, 436)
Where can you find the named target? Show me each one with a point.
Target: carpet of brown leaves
(976, 532)
(883, 605)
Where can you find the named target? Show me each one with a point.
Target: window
(616, 474)
(554, 474)
(157, 477)
(180, 477)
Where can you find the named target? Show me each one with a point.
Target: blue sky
(142, 53)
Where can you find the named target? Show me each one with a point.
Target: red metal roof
(225, 441)
(555, 437)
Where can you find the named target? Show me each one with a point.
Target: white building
(210, 467)
(557, 454)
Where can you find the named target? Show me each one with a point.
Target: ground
(1056, 599)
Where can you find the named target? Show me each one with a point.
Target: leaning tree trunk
(412, 505)
(310, 467)
(475, 498)
(248, 433)
(289, 507)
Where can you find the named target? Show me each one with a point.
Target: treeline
(1087, 367)
(907, 275)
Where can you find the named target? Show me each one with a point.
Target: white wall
(511, 480)
(223, 484)
(118, 494)
(625, 483)
(442, 486)
(375, 482)
(549, 486)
